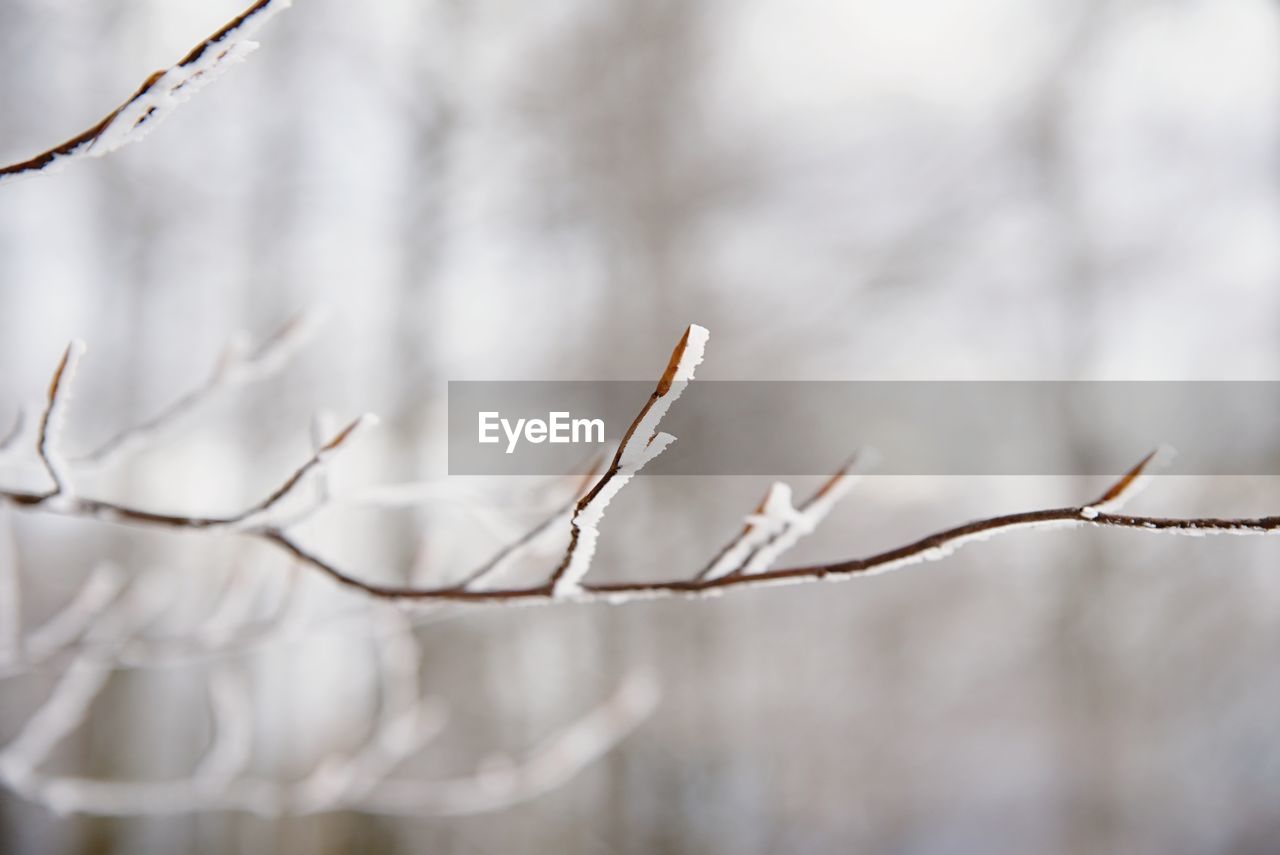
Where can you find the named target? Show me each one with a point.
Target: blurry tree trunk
(430, 123)
(1081, 641)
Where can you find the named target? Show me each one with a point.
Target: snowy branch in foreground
(641, 444)
(158, 96)
(745, 563)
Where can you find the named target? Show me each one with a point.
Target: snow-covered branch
(746, 562)
(107, 623)
(159, 95)
(641, 444)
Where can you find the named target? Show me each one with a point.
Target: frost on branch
(746, 562)
(641, 444)
(776, 526)
(158, 96)
(108, 623)
(111, 623)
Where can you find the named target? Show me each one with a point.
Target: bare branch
(54, 417)
(1131, 483)
(314, 466)
(158, 96)
(641, 444)
(106, 630)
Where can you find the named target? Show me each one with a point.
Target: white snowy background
(838, 189)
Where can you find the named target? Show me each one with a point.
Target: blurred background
(838, 189)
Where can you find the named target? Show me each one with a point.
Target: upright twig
(640, 444)
(54, 418)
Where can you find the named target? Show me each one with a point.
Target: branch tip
(685, 358)
(1133, 481)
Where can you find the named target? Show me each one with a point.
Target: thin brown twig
(317, 461)
(52, 418)
(255, 523)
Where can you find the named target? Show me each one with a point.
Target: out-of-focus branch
(158, 96)
(355, 780)
(106, 626)
(67, 625)
(9, 440)
(103, 622)
(11, 622)
(68, 704)
(239, 365)
(550, 765)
